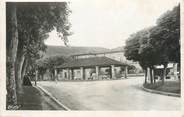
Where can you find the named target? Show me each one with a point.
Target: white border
(4, 112)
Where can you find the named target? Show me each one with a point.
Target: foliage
(139, 49)
(166, 35)
(132, 48)
(156, 45)
(36, 21)
(50, 63)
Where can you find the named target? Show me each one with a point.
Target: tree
(42, 18)
(139, 49)
(12, 43)
(166, 37)
(31, 22)
(132, 48)
(147, 54)
(157, 45)
(170, 25)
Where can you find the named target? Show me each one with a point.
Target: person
(26, 81)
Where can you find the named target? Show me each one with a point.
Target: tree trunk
(12, 53)
(175, 69)
(42, 75)
(55, 75)
(148, 74)
(18, 77)
(36, 77)
(145, 76)
(164, 74)
(24, 69)
(151, 76)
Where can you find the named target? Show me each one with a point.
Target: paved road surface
(124, 94)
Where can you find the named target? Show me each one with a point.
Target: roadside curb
(53, 98)
(160, 92)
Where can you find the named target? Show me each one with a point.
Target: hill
(118, 49)
(66, 51)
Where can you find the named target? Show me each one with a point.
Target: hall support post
(63, 74)
(126, 71)
(113, 72)
(67, 74)
(72, 74)
(86, 77)
(55, 74)
(97, 72)
(82, 73)
(110, 72)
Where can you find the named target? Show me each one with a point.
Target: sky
(108, 23)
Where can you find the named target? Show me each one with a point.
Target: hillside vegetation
(66, 51)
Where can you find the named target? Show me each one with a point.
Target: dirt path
(34, 99)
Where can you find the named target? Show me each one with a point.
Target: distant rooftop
(91, 62)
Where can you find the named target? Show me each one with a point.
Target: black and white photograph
(93, 55)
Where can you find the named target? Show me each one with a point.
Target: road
(125, 94)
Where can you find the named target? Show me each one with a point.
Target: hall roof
(91, 62)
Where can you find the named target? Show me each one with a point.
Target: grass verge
(168, 86)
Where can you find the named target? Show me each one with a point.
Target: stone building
(172, 72)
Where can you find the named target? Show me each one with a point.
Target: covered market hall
(93, 68)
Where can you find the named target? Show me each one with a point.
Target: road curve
(125, 94)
